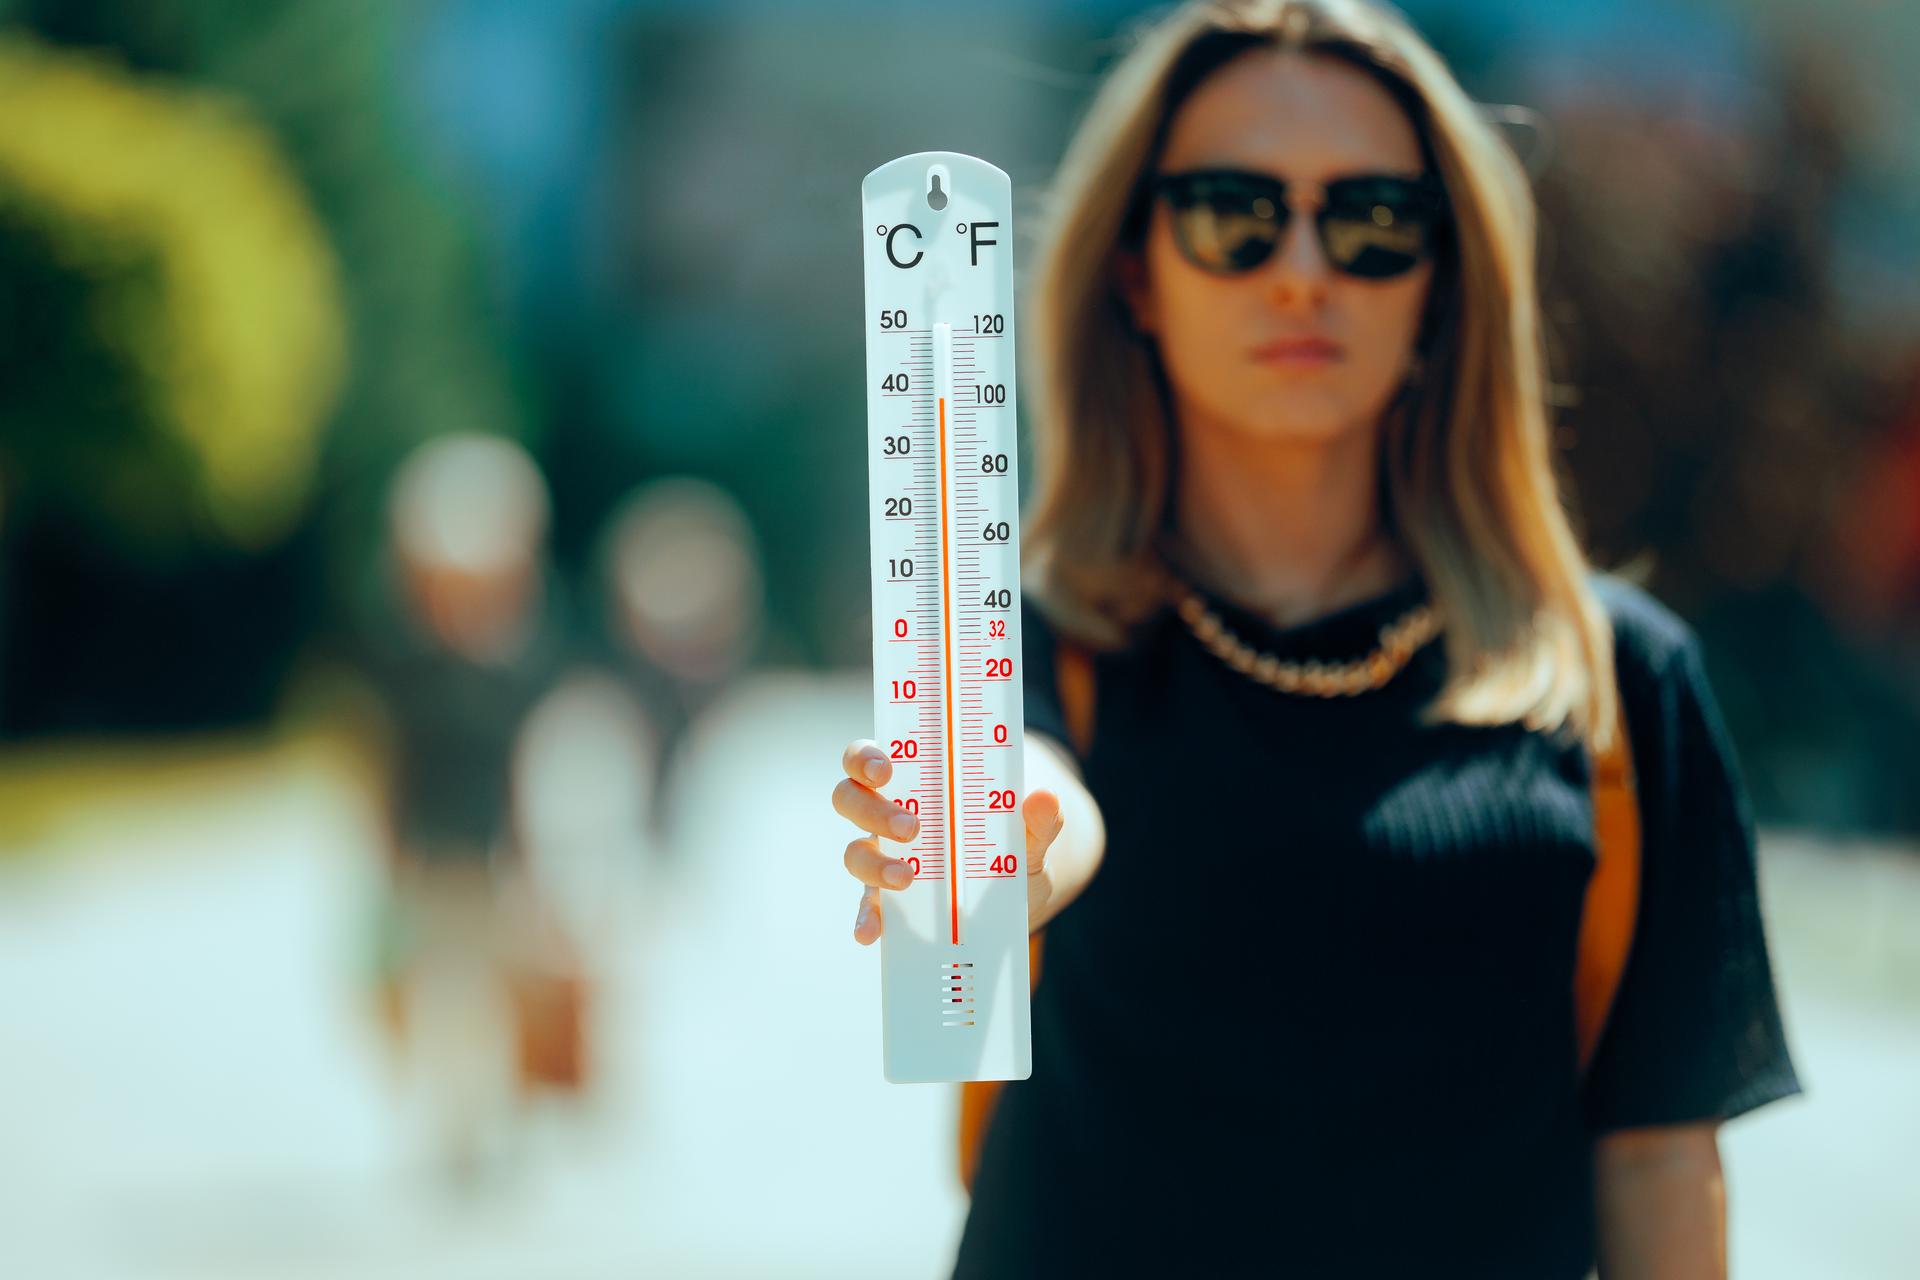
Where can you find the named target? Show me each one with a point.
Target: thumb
(1041, 809)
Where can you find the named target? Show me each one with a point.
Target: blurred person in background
(481, 979)
(1870, 578)
(1724, 406)
(685, 606)
(1354, 676)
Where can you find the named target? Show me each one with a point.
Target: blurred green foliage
(100, 540)
(172, 330)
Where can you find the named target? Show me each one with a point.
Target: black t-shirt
(1314, 1016)
(454, 721)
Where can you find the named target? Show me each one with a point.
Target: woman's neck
(1291, 529)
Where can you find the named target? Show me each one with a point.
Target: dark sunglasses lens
(1224, 226)
(1378, 228)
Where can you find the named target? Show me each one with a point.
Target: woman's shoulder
(1672, 713)
(1648, 636)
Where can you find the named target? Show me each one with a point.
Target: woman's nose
(1298, 266)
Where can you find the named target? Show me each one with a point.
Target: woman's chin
(1299, 419)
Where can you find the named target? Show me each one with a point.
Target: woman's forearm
(1075, 855)
(1660, 1204)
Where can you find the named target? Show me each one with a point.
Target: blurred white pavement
(193, 1083)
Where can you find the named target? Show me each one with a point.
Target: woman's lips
(1296, 351)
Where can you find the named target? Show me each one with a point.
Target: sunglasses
(1374, 226)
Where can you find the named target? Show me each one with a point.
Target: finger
(872, 867)
(871, 811)
(865, 762)
(866, 921)
(1041, 809)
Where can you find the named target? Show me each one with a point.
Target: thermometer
(945, 525)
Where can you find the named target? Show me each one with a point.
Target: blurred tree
(173, 336)
(1720, 408)
(151, 594)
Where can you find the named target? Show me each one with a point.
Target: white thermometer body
(945, 525)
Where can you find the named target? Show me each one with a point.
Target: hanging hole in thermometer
(944, 522)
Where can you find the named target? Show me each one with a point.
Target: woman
(1306, 1004)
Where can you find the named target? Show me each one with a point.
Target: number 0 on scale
(945, 522)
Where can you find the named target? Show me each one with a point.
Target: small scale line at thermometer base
(943, 391)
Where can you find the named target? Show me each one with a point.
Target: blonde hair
(1467, 481)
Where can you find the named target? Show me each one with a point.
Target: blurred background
(433, 598)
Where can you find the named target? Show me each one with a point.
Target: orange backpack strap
(1073, 676)
(1613, 894)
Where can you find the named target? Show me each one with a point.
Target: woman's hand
(856, 799)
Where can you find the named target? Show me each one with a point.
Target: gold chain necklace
(1399, 640)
